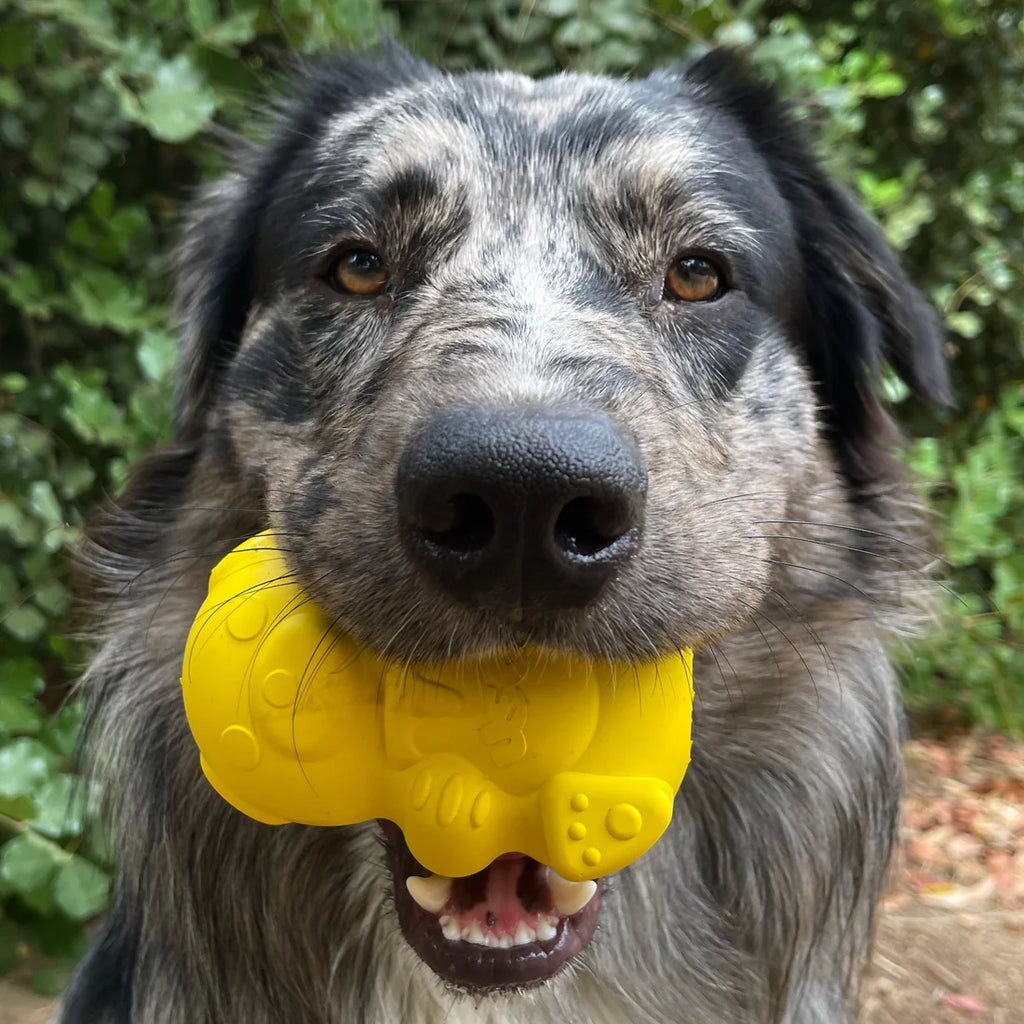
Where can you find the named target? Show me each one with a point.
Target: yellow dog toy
(571, 762)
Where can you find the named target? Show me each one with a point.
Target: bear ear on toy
(570, 762)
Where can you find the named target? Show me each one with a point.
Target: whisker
(830, 665)
(822, 572)
(904, 565)
(715, 653)
(857, 529)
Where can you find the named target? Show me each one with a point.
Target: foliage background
(104, 112)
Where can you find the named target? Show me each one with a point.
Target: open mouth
(513, 924)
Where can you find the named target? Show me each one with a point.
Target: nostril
(519, 509)
(587, 525)
(464, 523)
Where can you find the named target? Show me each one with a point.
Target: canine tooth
(524, 934)
(449, 929)
(474, 933)
(431, 893)
(569, 897)
(545, 929)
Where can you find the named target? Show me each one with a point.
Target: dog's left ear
(860, 308)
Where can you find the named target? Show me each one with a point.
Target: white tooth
(490, 939)
(545, 929)
(431, 893)
(524, 934)
(505, 942)
(569, 897)
(449, 929)
(474, 933)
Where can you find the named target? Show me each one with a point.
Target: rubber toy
(573, 763)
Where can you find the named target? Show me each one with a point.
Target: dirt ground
(951, 941)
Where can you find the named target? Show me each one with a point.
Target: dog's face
(518, 363)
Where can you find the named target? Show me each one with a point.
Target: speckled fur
(529, 226)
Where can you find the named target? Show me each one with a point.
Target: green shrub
(920, 107)
(101, 104)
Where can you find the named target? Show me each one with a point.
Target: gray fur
(529, 278)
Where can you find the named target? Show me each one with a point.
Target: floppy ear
(860, 307)
(216, 263)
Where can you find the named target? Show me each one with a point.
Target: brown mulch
(951, 938)
(963, 825)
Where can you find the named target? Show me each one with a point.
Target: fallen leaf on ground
(965, 1003)
(955, 897)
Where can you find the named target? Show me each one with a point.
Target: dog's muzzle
(521, 510)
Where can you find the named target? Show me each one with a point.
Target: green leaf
(90, 411)
(8, 590)
(201, 14)
(887, 83)
(965, 323)
(52, 596)
(10, 939)
(81, 889)
(75, 479)
(178, 103)
(51, 981)
(19, 808)
(29, 289)
(235, 31)
(557, 8)
(23, 530)
(61, 731)
(59, 807)
(27, 862)
(106, 299)
(20, 681)
(56, 936)
(15, 44)
(44, 503)
(40, 900)
(157, 354)
(25, 622)
(20, 677)
(893, 388)
(25, 765)
(11, 94)
(578, 33)
(18, 717)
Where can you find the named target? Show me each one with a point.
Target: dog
(576, 364)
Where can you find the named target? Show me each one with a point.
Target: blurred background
(108, 115)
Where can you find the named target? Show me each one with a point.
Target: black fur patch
(100, 991)
(267, 376)
(374, 383)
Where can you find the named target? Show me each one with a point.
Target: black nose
(521, 509)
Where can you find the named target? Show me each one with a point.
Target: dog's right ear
(216, 264)
(215, 286)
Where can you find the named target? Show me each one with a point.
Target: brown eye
(358, 271)
(693, 279)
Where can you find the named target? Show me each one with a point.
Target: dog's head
(533, 363)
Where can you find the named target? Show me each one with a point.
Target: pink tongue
(501, 900)
(497, 907)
